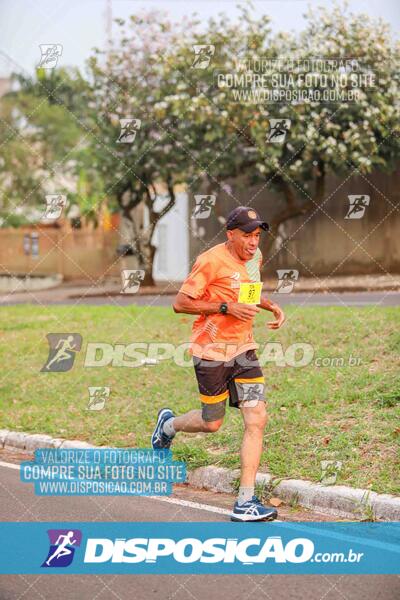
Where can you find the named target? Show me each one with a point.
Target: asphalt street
(18, 503)
(381, 298)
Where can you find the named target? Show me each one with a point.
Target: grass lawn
(345, 413)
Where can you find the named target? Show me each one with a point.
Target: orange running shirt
(216, 277)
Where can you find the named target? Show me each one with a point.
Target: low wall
(73, 254)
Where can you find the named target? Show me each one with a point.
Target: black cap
(246, 219)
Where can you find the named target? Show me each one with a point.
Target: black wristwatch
(223, 308)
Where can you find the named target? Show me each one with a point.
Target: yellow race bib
(250, 293)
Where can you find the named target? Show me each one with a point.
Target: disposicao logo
(190, 550)
(63, 543)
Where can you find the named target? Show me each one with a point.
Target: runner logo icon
(63, 543)
(62, 351)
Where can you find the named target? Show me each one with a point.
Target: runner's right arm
(185, 304)
(189, 298)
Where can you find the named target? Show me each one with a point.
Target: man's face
(245, 244)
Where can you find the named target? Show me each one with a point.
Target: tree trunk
(150, 197)
(133, 234)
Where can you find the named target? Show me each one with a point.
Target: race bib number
(250, 293)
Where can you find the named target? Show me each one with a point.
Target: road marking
(198, 505)
(9, 465)
(188, 503)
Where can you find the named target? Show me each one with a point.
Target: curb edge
(337, 500)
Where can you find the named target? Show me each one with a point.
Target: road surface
(382, 298)
(18, 503)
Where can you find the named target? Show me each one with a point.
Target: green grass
(345, 413)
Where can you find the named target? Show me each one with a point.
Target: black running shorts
(240, 379)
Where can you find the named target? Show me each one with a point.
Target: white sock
(168, 427)
(245, 494)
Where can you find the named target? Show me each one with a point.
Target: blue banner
(211, 547)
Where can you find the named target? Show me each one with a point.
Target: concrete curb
(31, 441)
(16, 284)
(337, 500)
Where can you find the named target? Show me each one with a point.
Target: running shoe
(159, 439)
(253, 510)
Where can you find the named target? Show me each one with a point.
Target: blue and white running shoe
(159, 439)
(253, 510)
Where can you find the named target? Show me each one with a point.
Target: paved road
(18, 503)
(345, 299)
(382, 298)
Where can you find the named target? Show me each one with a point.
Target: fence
(75, 253)
(324, 241)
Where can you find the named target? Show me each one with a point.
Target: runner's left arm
(276, 310)
(271, 307)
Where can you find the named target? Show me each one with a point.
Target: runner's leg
(246, 391)
(255, 420)
(193, 421)
(211, 378)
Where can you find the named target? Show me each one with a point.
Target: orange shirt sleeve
(198, 279)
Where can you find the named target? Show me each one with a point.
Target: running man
(223, 350)
(62, 546)
(359, 205)
(279, 129)
(129, 129)
(64, 348)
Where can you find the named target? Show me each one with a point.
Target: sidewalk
(344, 283)
(84, 289)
